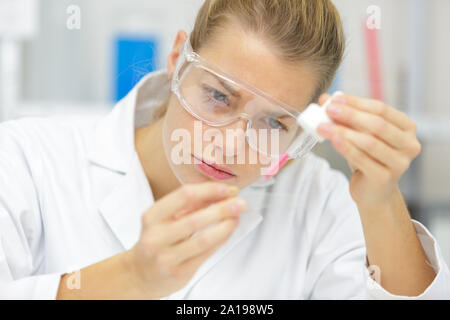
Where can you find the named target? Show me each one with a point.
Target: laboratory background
(82, 56)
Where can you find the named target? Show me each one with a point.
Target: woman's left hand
(378, 142)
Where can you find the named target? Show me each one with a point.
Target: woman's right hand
(166, 256)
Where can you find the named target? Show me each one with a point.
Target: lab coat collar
(113, 142)
(113, 148)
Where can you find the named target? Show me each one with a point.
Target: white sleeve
(338, 264)
(438, 289)
(22, 248)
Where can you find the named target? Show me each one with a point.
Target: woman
(105, 196)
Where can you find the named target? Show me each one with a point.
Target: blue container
(135, 56)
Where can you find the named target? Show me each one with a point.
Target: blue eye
(275, 124)
(216, 95)
(219, 96)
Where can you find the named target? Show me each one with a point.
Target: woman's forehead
(251, 60)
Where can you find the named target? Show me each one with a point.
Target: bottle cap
(315, 115)
(311, 118)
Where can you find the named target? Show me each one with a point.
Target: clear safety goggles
(217, 98)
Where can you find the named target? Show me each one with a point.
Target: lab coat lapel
(123, 207)
(112, 147)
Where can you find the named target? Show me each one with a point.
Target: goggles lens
(218, 101)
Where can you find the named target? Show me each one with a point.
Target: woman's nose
(234, 140)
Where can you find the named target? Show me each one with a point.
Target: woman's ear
(175, 53)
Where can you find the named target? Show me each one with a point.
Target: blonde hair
(302, 30)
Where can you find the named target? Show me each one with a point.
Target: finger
(323, 98)
(369, 122)
(376, 149)
(202, 242)
(379, 108)
(359, 159)
(188, 198)
(195, 222)
(188, 267)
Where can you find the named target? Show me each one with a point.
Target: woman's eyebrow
(279, 115)
(231, 90)
(226, 86)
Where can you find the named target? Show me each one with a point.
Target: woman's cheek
(178, 118)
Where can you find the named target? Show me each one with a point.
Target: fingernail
(334, 109)
(238, 206)
(326, 128)
(232, 191)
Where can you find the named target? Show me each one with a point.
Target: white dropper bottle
(309, 120)
(315, 115)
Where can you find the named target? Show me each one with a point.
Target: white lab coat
(72, 192)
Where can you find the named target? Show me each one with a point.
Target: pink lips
(215, 171)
